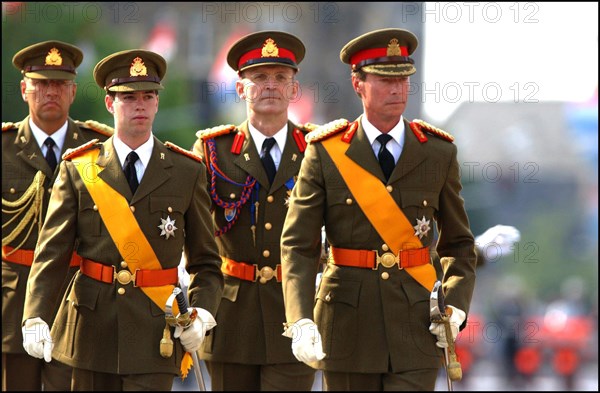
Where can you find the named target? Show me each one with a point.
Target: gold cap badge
(393, 48)
(53, 57)
(270, 49)
(138, 68)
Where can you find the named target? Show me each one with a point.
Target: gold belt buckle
(264, 274)
(124, 277)
(388, 259)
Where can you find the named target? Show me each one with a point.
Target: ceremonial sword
(184, 319)
(438, 314)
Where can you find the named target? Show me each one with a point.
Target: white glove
(307, 346)
(318, 281)
(184, 276)
(37, 340)
(499, 239)
(456, 319)
(192, 337)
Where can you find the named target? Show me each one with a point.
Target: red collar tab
(299, 139)
(238, 141)
(416, 129)
(349, 134)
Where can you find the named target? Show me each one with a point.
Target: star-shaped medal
(167, 227)
(422, 227)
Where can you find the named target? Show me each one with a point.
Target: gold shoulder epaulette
(9, 124)
(71, 153)
(327, 130)
(94, 125)
(424, 126)
(183, 151)
(215, 131)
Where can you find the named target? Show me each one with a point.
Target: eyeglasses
(261, 78)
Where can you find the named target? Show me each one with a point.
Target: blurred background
(515, 83)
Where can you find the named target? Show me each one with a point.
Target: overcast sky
(517, 52)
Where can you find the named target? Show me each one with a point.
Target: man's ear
(108, 102)
(23, 90)
(240, 89)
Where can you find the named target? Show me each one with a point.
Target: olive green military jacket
(22, 158)
(374, 321)
(251, 315)
(115, 328)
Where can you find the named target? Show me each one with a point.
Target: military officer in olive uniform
(252, 170)
(129, 206)
(31, 149)
(371, 326)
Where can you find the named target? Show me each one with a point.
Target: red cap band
(373, 54)
(257, 54)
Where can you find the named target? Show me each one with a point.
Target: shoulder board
(183, 151)
(72, 153)
(327, 130)
(9, 124)
(94, 125)
(426, 127)
(215, 131)
(308, 127)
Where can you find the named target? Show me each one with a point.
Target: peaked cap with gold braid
(383, 52)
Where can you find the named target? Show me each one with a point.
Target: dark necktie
(267, 160)
(386, 159)
(50, 156)
(130, 172)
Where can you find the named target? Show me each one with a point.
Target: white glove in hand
(184, 276)
(192, 337)
(37, 340)
(498, 239)
(307, 346)
(456, 319)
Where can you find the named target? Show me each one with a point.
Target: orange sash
(122, 226)
(380, 208)
(125, 232)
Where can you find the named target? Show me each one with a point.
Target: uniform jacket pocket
(336, 315)
(84, 294)
(231, 288)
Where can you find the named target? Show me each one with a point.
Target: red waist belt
(141, 278)
(371, 259)
(245, 271)
(25, 257)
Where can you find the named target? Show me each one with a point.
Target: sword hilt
(181, 303)
(454, 369)
(185, 318)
